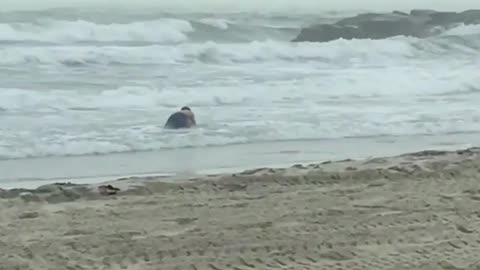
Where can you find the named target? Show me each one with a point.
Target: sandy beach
(412, 211)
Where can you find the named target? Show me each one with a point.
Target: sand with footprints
(414, 211)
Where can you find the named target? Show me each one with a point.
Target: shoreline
(222, 159)
(401, 165)
(414, 211)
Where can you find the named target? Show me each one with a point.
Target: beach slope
(413, 211)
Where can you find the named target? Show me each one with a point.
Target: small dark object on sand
(108, 190)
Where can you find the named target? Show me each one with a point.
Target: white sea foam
(82, 87)
(463, 30)
(340, 52)
(298, 105)
(160, 31)
(215, 22)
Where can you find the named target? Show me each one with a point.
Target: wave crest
(332, 53)
(59, 31)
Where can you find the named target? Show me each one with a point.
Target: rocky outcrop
(417, 23)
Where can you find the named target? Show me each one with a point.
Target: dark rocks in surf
(417, 23)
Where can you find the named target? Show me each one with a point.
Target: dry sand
(415, 211)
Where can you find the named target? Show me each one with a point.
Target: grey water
(91, 84)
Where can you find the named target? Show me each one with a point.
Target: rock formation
(417, 23)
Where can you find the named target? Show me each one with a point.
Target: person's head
(185, 109)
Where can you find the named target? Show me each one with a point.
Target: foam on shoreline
(427, 163)
(231, 159)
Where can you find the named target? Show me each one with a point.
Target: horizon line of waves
(156, 31)
(334, 53)
(171, 31)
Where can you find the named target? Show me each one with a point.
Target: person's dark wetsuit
(180, 120)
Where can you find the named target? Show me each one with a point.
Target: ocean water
(82, 81)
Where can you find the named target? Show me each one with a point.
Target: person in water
(181, 119)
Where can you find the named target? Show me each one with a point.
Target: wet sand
(90, 169)
(413, 211)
